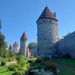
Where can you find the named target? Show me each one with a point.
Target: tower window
(50, 21)
(43, 20)
(44, 31)
(38, 49)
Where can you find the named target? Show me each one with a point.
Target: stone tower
(47, 32)
(24, 45)
(15, 47)
(10, 48)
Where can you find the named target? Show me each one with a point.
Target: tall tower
(15, 47)
(24, 45)
(47, 32)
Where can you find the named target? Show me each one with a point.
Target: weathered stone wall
(15, 49)
(47, 35)
(67, 45)
(34, 52)
(24, 47)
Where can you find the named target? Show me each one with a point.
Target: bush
(9, 59)
(51, 67)
(17, 68)
(30, 61)
(16, 73)
(67, 55)
(21, 60)
(3, 63)
(38, 61)
(14, 67)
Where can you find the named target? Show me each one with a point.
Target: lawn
(64, 71)
(70, 62)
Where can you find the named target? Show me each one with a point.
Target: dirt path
(65, 66)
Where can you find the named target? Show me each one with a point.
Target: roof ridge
(15, 44)
(46, 14)
(24, 36)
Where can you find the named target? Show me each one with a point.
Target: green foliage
(67, 55)
(21, 60)
(12, 54)
(18, 69)
(51, 67)
(17, 73)
(4, 70)
(15, 67)
(3, 63)
(32, 45)
(3, 45)
(6, 54)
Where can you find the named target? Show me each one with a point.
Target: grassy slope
(70, 62)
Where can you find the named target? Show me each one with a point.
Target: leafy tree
(32, 45)
(3, 44)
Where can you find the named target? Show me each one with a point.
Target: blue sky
(20, 15)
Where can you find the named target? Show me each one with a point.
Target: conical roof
(47, 14)
(10, 47)
(24, 36)
(15, 44)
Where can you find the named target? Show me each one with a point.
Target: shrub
(67, 55)
(21, 60)
(16, 73)
(51, 67)
(3, 63)
(30, 61)
(14, 67)
(38, 61)
(9, 59)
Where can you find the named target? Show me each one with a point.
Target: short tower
(15, 47)
(47, 32)
(10, 48)
(24, 45)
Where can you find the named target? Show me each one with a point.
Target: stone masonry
(24, 45)
(47, 32)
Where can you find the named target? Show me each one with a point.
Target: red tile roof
(24, 37)
(47, 14)
(10, 47)
(15, 44)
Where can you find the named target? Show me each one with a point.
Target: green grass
(64, 71)
(70, 62)
(4, 71)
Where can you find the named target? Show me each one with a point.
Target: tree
(32, 45)
(3, 44)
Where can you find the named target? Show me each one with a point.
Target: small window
(43, 20)
(50, 21)
(44, 31)
(38, 49)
